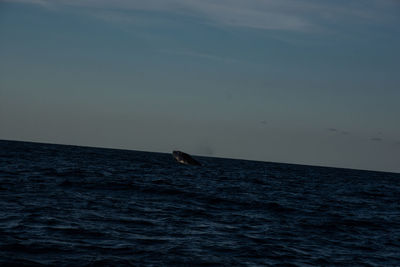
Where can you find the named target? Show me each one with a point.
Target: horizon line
(218, 157)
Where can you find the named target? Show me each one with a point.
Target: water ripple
(68, 205)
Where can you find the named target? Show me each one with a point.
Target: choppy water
(68, 205)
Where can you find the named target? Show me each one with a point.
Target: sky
(295, 81)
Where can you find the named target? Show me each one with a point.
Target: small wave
(20, 262)
(76, 232)
(32, 247)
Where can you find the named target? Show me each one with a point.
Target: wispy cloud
(44, 3)
(376, 139)
(288, 15)
(338, 131)
(198, 55)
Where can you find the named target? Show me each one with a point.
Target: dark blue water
(68, 205)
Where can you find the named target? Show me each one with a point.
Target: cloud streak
(198, 55)
(337, 131)
(286, 15)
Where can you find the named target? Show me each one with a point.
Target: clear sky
(297, 81)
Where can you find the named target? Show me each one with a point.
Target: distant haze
(303, 81)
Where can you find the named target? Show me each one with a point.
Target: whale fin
(184, 158)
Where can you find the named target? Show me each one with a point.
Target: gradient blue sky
(308, 82)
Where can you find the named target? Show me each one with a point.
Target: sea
(66, 205)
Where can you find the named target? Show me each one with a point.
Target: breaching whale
(184, 158)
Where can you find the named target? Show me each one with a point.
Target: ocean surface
(78, 206)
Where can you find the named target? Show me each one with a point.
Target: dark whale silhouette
(184, 158)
